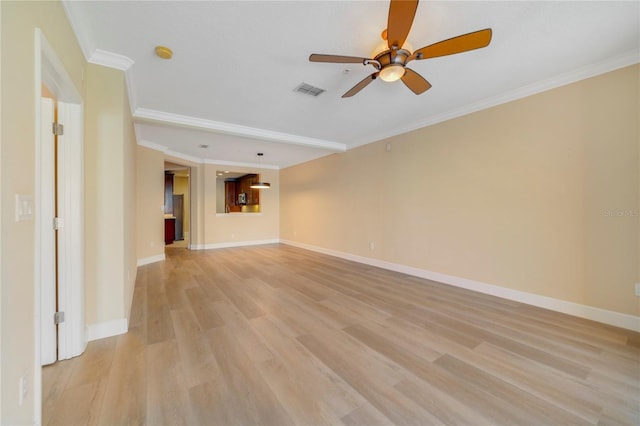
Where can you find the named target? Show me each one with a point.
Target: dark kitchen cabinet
(244, 185)
(231, 193)
(169, 230)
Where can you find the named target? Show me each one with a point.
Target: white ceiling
(235, 65)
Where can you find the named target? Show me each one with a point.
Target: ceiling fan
(391, 62)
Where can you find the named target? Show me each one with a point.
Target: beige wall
(520, 196)
(149, 203)
(19, 20)
(129, 191)
(197, 180)
(109, 196)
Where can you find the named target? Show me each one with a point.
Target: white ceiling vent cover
(308, 89)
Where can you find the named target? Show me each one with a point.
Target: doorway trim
(49, 71)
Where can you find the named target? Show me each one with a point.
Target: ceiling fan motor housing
(392, 64)
(393, 56)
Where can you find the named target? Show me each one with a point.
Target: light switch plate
(637, 289)
(24, 207)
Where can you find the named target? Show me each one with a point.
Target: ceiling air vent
(308, 89)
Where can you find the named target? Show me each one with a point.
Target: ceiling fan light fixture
(261, 185)
(392, 72)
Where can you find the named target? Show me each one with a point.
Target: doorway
(67, 262)
(60, 230)
(177, 205)
(49, 238)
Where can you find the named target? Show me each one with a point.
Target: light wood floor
(276, 335)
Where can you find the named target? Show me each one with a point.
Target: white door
(47, 247)
(61, 250)
(72, 338)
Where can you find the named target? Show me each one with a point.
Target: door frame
(49, 71)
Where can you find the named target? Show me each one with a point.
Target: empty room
(320, 212)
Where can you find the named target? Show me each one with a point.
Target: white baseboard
(151, 259)
(107, 329)
(629, 322)
(229, 244)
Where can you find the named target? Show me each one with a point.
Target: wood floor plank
(366, 414)
(55, 378)
(249, 392)
(514, 327)
(294, 395)
(436, 377)
(363, 378)
(278, 335)
(379, 335)
(448, 410)
(240, 298)
(206, 284)
(354, 309)
(158, 323)
(529, 407)
(167, 397)
(539, 380)
(95, 364)
(126, 393)
(202, 306)
(212, 403)
(175, 293)
(465, 328)
(243, 332)
(196, 359)
(303, 380)
(79, 404)
(138, 322)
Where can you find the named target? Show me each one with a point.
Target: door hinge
(57, 129)
(57, 223)
(58, 318)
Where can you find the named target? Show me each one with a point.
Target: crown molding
(143, 114)
(111, 60)
(611, 64)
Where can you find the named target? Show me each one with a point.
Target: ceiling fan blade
(337, 59)
(459, 44)
(415, 82)
(401, 14)
(358, 87)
